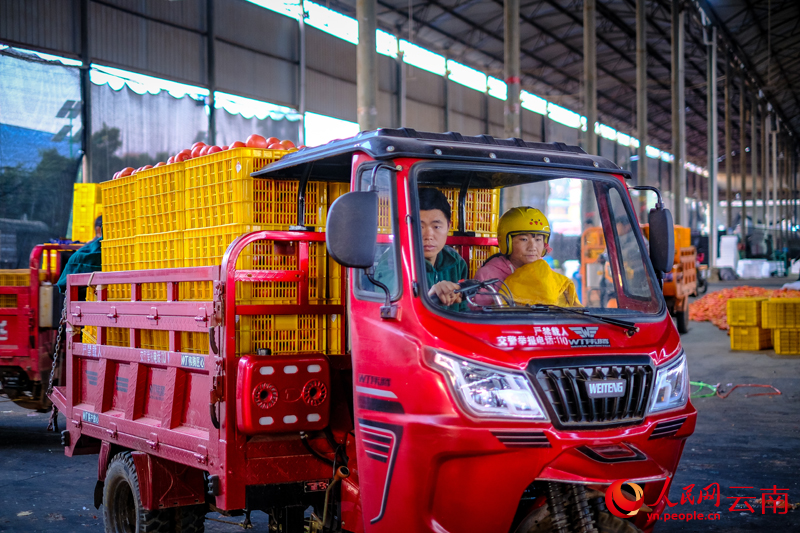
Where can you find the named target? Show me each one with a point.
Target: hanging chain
(53, 423)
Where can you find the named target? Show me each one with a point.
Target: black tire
(682, 318)
(190, 519)
(123, 511)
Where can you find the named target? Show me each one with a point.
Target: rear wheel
(123, 511)
(190, 519)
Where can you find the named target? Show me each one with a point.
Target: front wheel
(682, 318)
(123, 511)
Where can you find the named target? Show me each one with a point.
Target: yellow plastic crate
(160, 199)
(334, 333)
(205, 247)
(158, 250)
(119, 208)
(154, 339)
(20, 277)
(85, 198)
(194, 342)
(8, 301)
(481, 210)
(745, 311)
(781, 313)
(283, 334)
(220, 191)
(118, 255)
(118, 337)
(750, 338)
(787, 341)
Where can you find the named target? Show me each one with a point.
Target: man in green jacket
(444, 268)
(87, 259)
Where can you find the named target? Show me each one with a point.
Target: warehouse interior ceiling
(762, 34)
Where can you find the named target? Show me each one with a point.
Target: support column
(775, 183)
(367, 66)
(641, 101)
(511, 111)
(713, 147)
(728, 142)
(301, 86)
(743, 157)
(446, 95)
(766, 151)
(486, 123)
(678, 113)
(754, 151)
(590, 72)
(86, 98)
(401, 90)
(764, 162)
(211, 64)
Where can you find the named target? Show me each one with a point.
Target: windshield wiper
(629, 327)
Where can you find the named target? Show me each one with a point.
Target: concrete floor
(739, 442)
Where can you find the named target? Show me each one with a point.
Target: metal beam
(511, 68)
(743, 157)
(764, 163)
(713, 147)
(86, 96)
(590, 73)
(754, 150)
(301, 68)
(211, 75)
(641, 100)
(728, 143)
(678, 112)
(367, 66)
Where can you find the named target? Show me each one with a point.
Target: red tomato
(204, 151)
(287, 144)
(238, 144)
(116, 175)
(256, 141)
(276, 146)
(197, 151)
(213, 149)
(198, 143)
(147, 167)
(171, 160)
(224, 148)
(127, 171)
(186, 151)
(273, 140)
(182, 157)
(159, 164)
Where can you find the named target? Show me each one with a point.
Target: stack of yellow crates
(782, 316)
(746, 328)
(86, 207)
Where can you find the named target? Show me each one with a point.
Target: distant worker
(444, 268)
(86, 259)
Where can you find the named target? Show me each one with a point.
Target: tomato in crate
(276, 394)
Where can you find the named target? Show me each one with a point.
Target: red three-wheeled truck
(334, 401)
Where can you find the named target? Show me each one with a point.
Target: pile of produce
(200, 149)
(713, 307)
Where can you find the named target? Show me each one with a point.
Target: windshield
(534, 240)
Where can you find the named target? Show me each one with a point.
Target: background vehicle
(30, 311)
(255, 396)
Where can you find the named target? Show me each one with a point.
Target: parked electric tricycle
(404, 415)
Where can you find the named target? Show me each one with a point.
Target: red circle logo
(621, 502)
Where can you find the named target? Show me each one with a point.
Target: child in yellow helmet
(522, 235)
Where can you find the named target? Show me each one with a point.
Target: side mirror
(662, 239)
(352, 230)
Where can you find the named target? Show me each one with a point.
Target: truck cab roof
(332, 161)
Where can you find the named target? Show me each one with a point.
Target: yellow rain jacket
(536, 283)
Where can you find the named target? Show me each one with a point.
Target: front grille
(564, 390)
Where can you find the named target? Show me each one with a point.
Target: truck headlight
(488, 392)
(672, 386)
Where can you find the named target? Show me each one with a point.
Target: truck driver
(444, 268)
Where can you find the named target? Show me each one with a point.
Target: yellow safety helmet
(519, 220)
